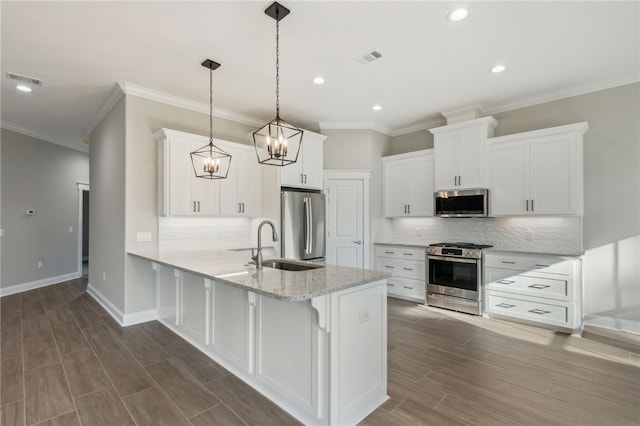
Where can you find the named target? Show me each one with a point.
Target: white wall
(611, 223)
(40, 176)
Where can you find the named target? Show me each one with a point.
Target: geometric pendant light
(277, 143)
(210, 161)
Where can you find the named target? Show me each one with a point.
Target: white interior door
(345, 227)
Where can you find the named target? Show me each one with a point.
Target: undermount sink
(289, 266)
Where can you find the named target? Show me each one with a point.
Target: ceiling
(429, 65)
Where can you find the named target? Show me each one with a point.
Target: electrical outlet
(528, 235)
(104, 276)
(40, 264)
(363, 316)
(71, 229)
(143, 236)
(1, 232)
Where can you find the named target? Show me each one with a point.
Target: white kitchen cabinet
(307, 171)
(408, 184)
(407, 265)
(542, 289)
(460, 154)
(537, 173)
(239, 192)
(181, 193)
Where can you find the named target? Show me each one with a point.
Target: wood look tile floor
(65, 361)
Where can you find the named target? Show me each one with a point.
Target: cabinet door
(312, 163)
(180, 176)
(292, 175)
(206, 194)
(553, 175)
(194, 304)
(248, 180)
(471, 156)
(508, 178)
(395, 180)
(445, 167)
(420, 186)
(238, 192)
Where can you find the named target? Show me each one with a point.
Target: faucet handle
(253, 254)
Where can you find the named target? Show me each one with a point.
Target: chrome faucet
(257, 256)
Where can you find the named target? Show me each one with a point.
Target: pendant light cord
(277, 68)
(210, 108)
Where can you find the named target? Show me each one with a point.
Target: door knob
(358, 242)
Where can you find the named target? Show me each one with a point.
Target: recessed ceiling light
(376, 107)
(318, 80)
(458, 15)
(23, 88)
(498, 69)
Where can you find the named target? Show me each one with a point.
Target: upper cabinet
(307, 171)
(181, 193)
(538, 172)
(240, 192)
(460, 154)
(408, 184)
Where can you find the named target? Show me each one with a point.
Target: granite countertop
(232, 267)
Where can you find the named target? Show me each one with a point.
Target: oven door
(454, 276)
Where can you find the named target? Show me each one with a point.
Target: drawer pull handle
(391, 285)
(408, 269)
(542, 266)
(506, 305)
(505, 282)
(539, 286)
(390, 267)
(539, 311)
(408, 254)
(509, 262)
(408, 288)
(389, 252)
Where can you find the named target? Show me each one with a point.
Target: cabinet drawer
(524, 262)
(406, 288)
(402, 268)
(551, 286)
(401, 252)
(529, 308)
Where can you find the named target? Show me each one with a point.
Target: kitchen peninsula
(313, 341)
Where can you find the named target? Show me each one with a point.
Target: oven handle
(453, 259)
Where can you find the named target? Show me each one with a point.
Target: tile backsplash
(557, 234)
(188, 233)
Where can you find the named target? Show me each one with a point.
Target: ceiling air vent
(24, 79)
(368, 57)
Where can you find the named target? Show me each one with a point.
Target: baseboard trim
(611, 323)
(121, 318)
(19, 288)
(112, 309)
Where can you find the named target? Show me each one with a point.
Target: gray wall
(415, 141)
(41, 176)
(107, 205)
(611, 223)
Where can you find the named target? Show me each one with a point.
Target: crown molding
(15, 128)
(555, 95)
(353, 125)
(155, 95)
(418, 127)
(114, 96)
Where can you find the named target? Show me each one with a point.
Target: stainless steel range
(455, 276)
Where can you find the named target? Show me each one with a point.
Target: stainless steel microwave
(462, 203)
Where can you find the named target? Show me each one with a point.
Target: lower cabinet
(542, 289)
(322, 360)
(407, 265)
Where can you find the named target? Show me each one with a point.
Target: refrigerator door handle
(310, 227)
(306, 225)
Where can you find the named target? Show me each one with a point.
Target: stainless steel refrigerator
(302, 224)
